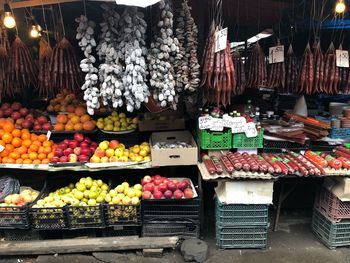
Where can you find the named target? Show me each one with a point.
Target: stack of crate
(241, 225)
(331, 219)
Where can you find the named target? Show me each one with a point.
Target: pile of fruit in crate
(76, 120)
(23, 147)
(65, 101)
(124, 194)
(117, 123)
(79, 149)
(158, 187)
(114, 151)
(25, 196)
(86, 192)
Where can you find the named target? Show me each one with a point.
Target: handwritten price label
(221, 40)
(276, 54)
(205, 122)
(238, 125)
(251, 131)
(217, 124)
(342, 58)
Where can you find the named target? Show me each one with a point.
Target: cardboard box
(340, 187)
(173, 157)
(164, 121)
(245, 192)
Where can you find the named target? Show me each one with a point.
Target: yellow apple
(103, 145)
(109, 152)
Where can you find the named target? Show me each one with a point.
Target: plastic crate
(171, 209)
(14, 217)
(20, 235)
(211, 140)
(119, 231)
(49, 218)
(241, 237)
(240, 140)
(279, 146)
(241, 215)
(332, 235)
(116, 214)
(85, 216)
(183, 229)
(339, 133)
(331, 206)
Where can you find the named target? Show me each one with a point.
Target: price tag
(48, 135)
(238, 125)
(1, 148)
(251, 131)
(205, 122)
(276, 54)
(228, 121)
(221, 40)
(342, 58)
(217, 124)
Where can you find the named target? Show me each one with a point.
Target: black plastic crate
(119, 214)
(85, 216)
(171, 209)
(119, 231)
(279, 146)
(20, 235)
(183, 229)
(14, 217)
(49, 218)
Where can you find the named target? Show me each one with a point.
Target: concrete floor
(293, 242)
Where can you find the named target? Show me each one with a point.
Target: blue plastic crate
(241, 214)
(331, 234)
(340, 133)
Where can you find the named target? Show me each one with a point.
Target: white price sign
(342, 58)
(1, 148)
(205, 122)
(48, 135)
(221, 40)
(217, 124)
(276, 54)
(251, 131)
(238, 124)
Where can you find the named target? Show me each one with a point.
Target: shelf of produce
(235, 175)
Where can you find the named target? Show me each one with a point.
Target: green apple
(108, 198)
(91, 202)
(79, 195)
(138, 187)
(93, 195)
(120, 188)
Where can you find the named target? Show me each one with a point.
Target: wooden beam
(31, 3)
(64, 246)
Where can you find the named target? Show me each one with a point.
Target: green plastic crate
(240, 140)
(331, 234)
(210, 140)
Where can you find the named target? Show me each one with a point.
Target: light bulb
(9, 21)
(34, 33)
(340, 7)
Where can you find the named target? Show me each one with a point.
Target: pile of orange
(78, 120)
(23, 147)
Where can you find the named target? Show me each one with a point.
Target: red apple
(188, 193)
(172, 186)
(8, 112)
(92, 149)
(5, 106)
(156, 188)
(66, 141)
(165, 180)
(157, 181)
(100, 153)
(183, 185)
(157, 195)
(79, 137)
(37, 127)
(26, 124)
(148, 187)
(168, 194)
(175, 181)
(16, 106)
(24, 112)
(94, 144)
(147, 179)
(73, 144)
(58, 152)
(30, 117)
(46, 126)
(157, 176)
(87, 139)
(63, 145)
(84, 144)
(178, 194)
(83, 158)
(77, 150)
(42, 120)
(68, 151)
(113, 144)
(146, 195)
(55, 159)
(63, 159)
(163, 187)
(85, 151)
(15, 115)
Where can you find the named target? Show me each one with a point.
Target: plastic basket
(331, 206)
(171, 209)
(210, 140)
(183, 229)
(332, 235)
(339, 133)
(240, 140)
(49, 218)
(241, 237)
(14, 217)
(116, 214)
(85, 216)
(20, 235)
(241, 215)
(279, 146)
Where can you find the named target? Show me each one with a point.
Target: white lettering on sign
(251, 130)
(221, 39)
(217, 124)
(276, 54)
(238, 125)
(205, 122)
(342, 58)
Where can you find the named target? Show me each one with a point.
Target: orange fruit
(47, 143)
(7, 137)
(4, 153)
(27, 161)
(19, 161)
(37, 143)
(78, 127)
(10, 160)
(42, 138)
(2, 142)
(69, 127)
(9, 147)
(1, 132)
(14, 155)
(33, 156)
(33, 137)
(41, 149)
(75, 120)
(16, 133)
(62, 118)
(41, 156)
(22, 150)
(33, 148)
(59, 127)
(25, 135)
(8, 127)
(85, 118)
(16, 142)
(45, 161)
(26, 143)
(70, 115)
(36, 162)
(50, 155)
(4, 159)
(25, 131)
(47, 150)
(25, 156)
(89, 125)
(80, 111)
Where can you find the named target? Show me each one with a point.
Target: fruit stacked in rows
(158, 187)
(124, 194)
(75, 120)
(83, 193)
(117, 122)
(78, 149)
(24, 197)
(21, 146)
(114, 151)
(64, 102)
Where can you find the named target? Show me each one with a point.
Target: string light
(34, 32)
(9, 21)
(340, 7)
